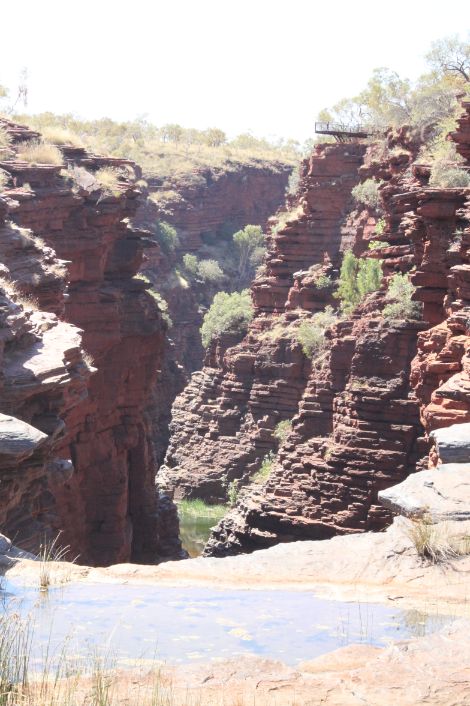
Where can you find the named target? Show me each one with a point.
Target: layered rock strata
(90, 474)
(224, 421)
(205, 207)
(356, 427)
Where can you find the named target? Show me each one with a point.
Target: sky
(265, 66)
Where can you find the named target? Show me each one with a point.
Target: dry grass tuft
(434, 542)
(109, 178)
(36, 152)
(51, 551)
(27, 302)
(61, 136)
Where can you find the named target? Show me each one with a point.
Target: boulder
(453, 443)
(18, 439)
(441, 495)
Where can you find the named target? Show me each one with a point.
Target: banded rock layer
(93, 471)
(357, 427)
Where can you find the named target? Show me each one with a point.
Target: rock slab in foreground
(442, 494)
(453, 443)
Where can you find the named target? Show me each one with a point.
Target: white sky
(267, 66)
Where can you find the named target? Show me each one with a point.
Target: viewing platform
(341, 131)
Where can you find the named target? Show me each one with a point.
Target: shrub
(357, 278)
(434, 542)
(3, 179)
(232, 493)
(282, 430)
(162, 304)
(399, 294)
(376, 244)
(166, 236)
(210, 271)
(109, 179)
(448, 176)
(323, 282)
(57, 135)
(286, 217)
(262, 474)
(190, 263)
(380, 226)
(311, 334)
(367, 193)
(36, 152)
(228, 312)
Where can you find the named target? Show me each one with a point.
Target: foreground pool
(182, 625)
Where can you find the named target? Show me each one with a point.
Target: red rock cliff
(206, 207)
(97, 426)
(355, 414)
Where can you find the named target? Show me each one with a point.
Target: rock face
(91, 472)
(223, 423)
(206, 207)
(357, 412)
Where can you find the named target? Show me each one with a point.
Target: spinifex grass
(51, 551)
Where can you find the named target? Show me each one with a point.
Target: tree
(172, 133)
(451, 56)
(215, 137)
(250, 245)
(386, 100)
(367, 193)
(358, 277)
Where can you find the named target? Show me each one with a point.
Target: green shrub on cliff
(210, 271)
(190, 263)
(367, 193)
(399, 295)
(166, 236)
(311, 333)
(228, 312)
(264, 471)
(282, 430)
(358, 277)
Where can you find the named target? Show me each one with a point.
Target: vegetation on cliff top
(163, 152)
(430, 106)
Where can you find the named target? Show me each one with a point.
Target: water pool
(183, 625)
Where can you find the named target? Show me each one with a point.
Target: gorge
(323, 417)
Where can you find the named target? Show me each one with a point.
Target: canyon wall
(205, 207)
(76, 386)
(359, 412)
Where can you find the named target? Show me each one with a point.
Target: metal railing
(329, 128)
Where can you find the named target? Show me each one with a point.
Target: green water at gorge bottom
(196, 522)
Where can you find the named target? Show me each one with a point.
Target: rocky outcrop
(91, 472)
